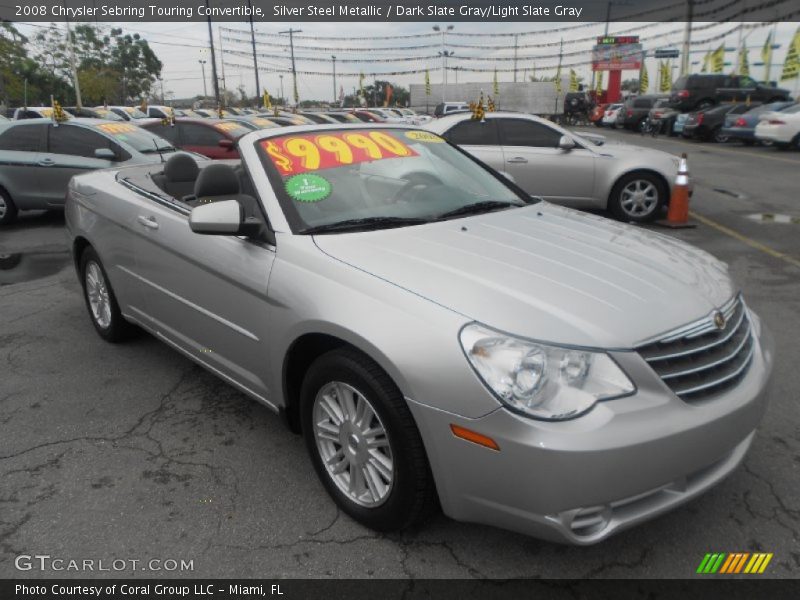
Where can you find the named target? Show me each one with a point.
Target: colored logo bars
(734, 562)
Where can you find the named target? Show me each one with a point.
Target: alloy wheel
(353, 444)
(97, 293)
(3, 206)
(639, 198)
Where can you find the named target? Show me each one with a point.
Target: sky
(181, 45)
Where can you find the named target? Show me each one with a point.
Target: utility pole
(213, 57)
(291, 33)
(333, 58)
(516, 36)
(203, 67)
(444, 54)
(253, 41)
(222, 64)
(687, 38)
(283, 99)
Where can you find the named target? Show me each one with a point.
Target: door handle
(149, 222)
(517, 159)
(47, 162)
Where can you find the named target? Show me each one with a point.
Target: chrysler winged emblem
(719, 320)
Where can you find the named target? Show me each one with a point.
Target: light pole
(333, 58)
(203, 67)
(444, 54)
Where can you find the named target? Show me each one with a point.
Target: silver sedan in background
(546, 160)
(38, 157)
(438, 336)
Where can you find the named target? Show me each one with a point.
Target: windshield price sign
(302, 153)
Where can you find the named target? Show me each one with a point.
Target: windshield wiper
(477, 208)
(365, 224)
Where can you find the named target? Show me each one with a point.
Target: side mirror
(225, 217)
(226, 143)
(105, 154)
(566, 143)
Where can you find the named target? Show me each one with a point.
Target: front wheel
(8, 210)
(638, 197)
(101, 301)
(364, 443)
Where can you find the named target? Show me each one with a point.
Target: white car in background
(388, 115)
(781, 128)
(610, 116)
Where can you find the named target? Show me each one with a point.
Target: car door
(20, 172)
(206, 294)
(70, 151)
(540, 167)
(202, 139)
(480, 139)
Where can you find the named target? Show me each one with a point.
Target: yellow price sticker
(424, 136)
(117, 128)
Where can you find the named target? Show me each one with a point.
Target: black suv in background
(696, 92)
(635, 111)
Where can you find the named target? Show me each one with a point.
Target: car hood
(546, 272)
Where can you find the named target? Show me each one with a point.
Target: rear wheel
(364, 443)
(101, 301)
(718, 136)
(638, 197)
(8, 210)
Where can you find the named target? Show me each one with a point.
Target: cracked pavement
(131, 451)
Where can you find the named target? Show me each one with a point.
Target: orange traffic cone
(678, 214)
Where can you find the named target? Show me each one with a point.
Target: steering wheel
(416, 182)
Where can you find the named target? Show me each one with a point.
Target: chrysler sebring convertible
(438, 336)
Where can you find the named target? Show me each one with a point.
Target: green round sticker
(308, 188)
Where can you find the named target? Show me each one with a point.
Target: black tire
(411, 498)
(117, 329)
(8, 210)
(615, 200)
(718, 137)
(796, 142)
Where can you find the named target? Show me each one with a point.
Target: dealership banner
(395, 10)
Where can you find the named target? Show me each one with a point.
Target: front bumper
(580, 481)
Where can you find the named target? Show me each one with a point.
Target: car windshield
(232, 128)
(373, 178)
(135, 137)
(135, 113)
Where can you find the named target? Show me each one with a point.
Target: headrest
(181, 168)
(216, 180)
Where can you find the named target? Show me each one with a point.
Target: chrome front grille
(701, 359)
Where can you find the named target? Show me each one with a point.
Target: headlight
(539, 380)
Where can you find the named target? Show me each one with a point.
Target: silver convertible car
(632, 182)
(438, 336)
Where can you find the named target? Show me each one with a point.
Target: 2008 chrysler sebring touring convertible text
(438, 336)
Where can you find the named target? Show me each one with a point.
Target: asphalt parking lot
(132, 452)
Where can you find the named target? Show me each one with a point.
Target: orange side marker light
(474, 437)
